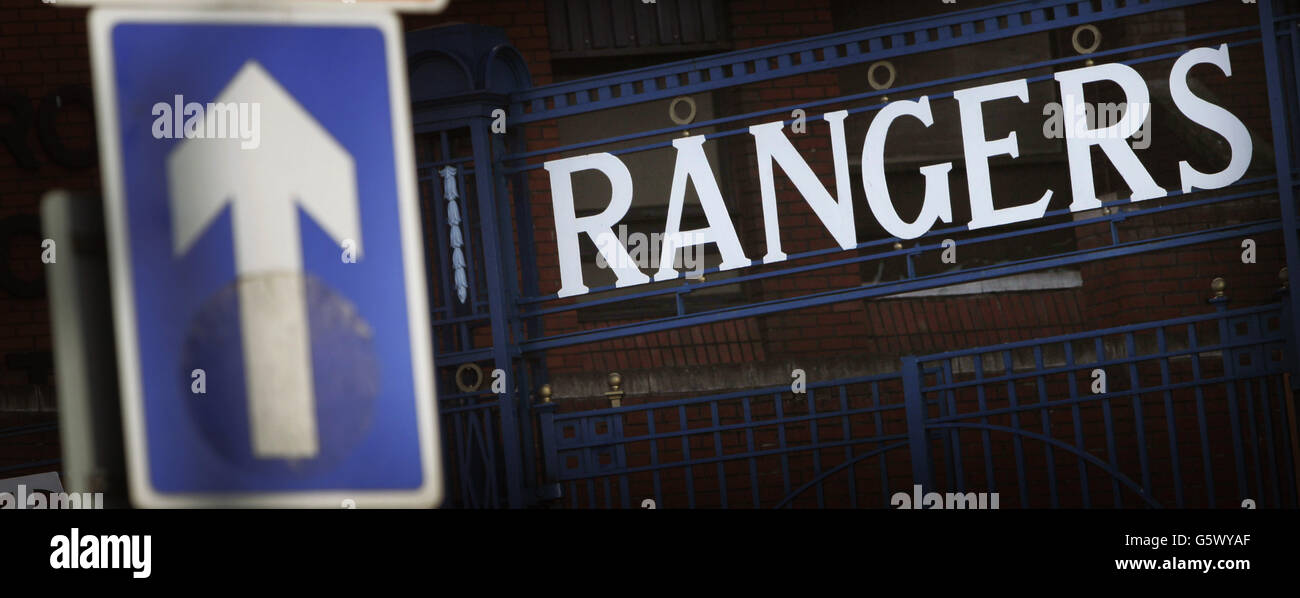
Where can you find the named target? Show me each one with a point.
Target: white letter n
(771, 144)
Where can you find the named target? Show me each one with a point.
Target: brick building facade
(44, 75)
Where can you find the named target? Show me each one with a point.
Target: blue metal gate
(1189, 399)
(1186, 403)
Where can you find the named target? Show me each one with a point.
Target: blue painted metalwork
(460, 76)
(621, 456)
(820, 53)
(1281, 82)
(937, 420)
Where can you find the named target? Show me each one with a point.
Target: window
(592, 28)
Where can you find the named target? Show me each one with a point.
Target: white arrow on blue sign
(266, 262)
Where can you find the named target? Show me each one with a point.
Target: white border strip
(416, 6)
(1050, 280)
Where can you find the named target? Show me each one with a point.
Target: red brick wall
(44, 49)
(43, 53)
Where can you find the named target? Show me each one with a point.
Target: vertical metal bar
(951, 396)
(465, 481)
(527, 246)
(1139, 425)
(1252, 426)
(1291, 446)
(450, 472)
(502, 311)
(490, 456)
(1017, 444)
(749, 447)
(1045, 416)
(717, 452)
(816, 452)
(1274, 480)
(1109, 424)
(949, 471)
(550, 454)
(527, 243)
(1078, 425)
(978, 361)
(847, 431)
(510, 290)
(1170, 422)
(914, 403)
(1230, 383)
(780, 439)
(880, 433)
(1281, 153)
(619, 454)
(686, 456)
(1291, 86)
(1110, 447)
(1206, 464)
(654, 456)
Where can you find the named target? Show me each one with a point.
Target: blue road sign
(266, 261)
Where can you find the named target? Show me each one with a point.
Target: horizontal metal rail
(877, 242)
(749, 393)
(1090, 334)
(1113, 217)
(785, 110)
(841, 295)
(818, 53)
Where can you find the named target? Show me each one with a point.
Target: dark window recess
(588, 28)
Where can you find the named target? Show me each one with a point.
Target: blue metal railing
(682, 452)
(550, 304)
(853, 442)
(959, 28)
(657, 453)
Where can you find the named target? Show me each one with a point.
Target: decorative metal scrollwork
(453, 223)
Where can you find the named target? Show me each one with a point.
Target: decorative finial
(545, 393)
(615, 392)
(1218, 285)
